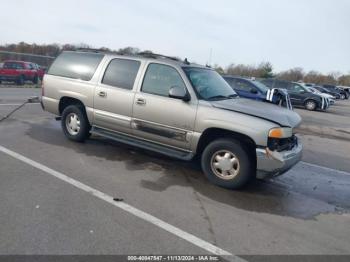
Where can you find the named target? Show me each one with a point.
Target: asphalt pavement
(305, 211)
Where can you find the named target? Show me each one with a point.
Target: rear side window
(121, 73)
(76, 65)
(282, 84)
(13, 65)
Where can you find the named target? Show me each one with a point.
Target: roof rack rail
(89, 50)
(153, 55)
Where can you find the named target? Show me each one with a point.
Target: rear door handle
(140, 101)
(102, 94)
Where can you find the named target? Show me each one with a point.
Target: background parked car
(345, 88)
(327, 91)
(40, 70)
(253, 89)
(342, 93)
(247, 88)
(299, 95)
(19, 72)
(315, 91)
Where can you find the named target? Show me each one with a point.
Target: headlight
(280, 132)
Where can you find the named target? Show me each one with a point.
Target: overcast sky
(313, 34)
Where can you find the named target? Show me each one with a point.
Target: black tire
(342, 96)
(20, 81)
(310, 105)
(246, 167)
(35, 80)
(84, 128)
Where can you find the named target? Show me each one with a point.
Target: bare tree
(294, 74)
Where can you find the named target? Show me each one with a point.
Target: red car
(41, 70)
(19, 72)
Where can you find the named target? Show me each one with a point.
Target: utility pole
(210, 55)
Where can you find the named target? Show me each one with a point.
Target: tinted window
(296, 88)
(268, 82)
(282, 84)
(160, 78)
(243, 85)
(13, 65)
(121, 73)
(76, 65)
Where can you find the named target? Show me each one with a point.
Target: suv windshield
(209, 85)
(261, 86)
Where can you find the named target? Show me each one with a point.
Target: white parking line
(326, 168)
(18, 104)
(128, 208)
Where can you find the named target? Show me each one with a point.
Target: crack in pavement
(202, 207)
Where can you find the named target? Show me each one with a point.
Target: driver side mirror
(179, 92)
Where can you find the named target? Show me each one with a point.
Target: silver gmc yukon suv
(175, 108)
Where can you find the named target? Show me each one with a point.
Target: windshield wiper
(222, 97)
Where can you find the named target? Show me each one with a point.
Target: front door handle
(102, 94)
(140, 101)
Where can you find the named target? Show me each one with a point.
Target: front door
(296, 93)
(161, 119)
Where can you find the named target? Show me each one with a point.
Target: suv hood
(326, 95)
(270, 112)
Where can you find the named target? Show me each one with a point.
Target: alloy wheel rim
(310, 105)
(73, 124)
(225, 164)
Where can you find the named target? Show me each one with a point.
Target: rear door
(114, 95)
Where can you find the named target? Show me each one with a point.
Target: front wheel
(20, 81)
(75, 124)
(342, 96)
(227, 163)
(310, 105)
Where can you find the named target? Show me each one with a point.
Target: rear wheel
(75, 124)
(35, 79)
(342, 96)
(227, 163)
(310, 105)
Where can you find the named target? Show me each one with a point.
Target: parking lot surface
(305, 211)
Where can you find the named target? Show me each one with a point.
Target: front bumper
(273, 163)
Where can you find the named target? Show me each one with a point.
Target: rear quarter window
(76, 65)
